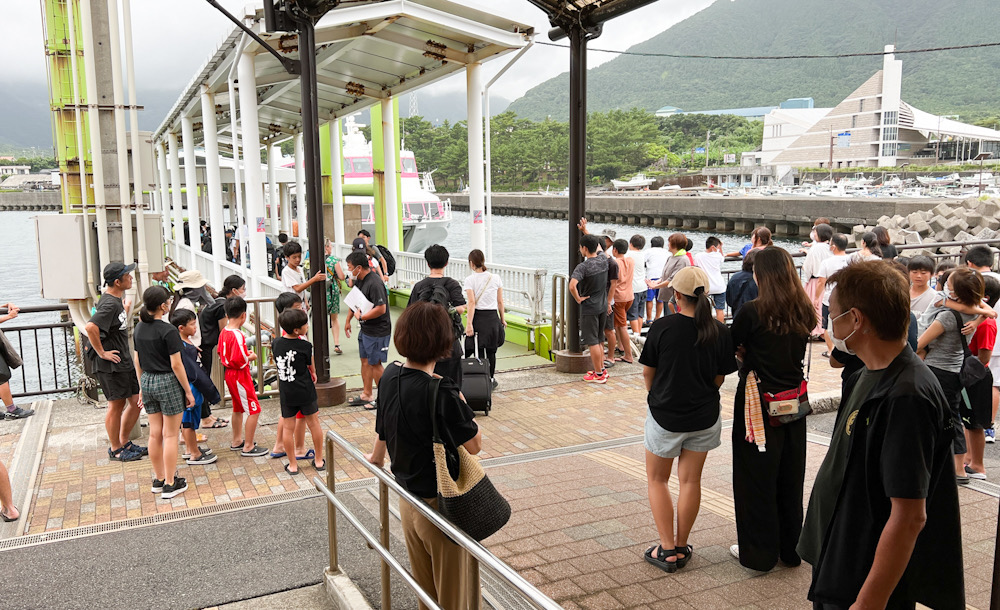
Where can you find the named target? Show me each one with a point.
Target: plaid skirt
(162, 393)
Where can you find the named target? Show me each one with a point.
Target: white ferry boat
(638, 182)
(426, 217)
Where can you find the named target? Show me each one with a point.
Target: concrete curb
(342, 591)
(824, 402)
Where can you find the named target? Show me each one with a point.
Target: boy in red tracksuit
(235, 357)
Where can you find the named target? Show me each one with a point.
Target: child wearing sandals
(297, 385)
(236, 358)
(290, 300)
(202, 389)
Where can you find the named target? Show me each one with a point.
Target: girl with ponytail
(685, 360)
(164, 386)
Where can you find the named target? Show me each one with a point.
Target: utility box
(62, 260)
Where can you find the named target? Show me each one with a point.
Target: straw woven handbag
(470, 501)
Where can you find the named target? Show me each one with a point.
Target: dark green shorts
(162, 393)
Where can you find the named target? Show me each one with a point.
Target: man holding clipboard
(368, 301)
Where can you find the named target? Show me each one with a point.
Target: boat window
(347, 165)
(409, 165)
(362, 165)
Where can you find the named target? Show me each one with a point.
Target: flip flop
(336, 349)
(12, 519)
(278, 454)
(357, 401)
(219, 423)
(293, 473)
(370, 406)
(319, 468)
(308, 456)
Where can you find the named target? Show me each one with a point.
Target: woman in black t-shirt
(771, 333)
(684, 420)
(164, 386)
(403, 425)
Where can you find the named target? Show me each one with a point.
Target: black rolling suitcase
(476, 383)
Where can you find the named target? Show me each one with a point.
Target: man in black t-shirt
(437, 259)
(589, 287)
(883, 526)
(112, 360)
(376, 326)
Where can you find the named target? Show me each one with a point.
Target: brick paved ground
(580, 522)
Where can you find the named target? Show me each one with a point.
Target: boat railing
(480, 557)
(44, 337)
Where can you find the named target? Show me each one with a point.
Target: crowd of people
(915, 342)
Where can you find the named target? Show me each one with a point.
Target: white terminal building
(871, 127)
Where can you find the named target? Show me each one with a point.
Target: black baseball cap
(358, 244)
(116, 270)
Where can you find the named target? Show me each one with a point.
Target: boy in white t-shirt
(637, 311)
(710, 261)
(655, 259)
(293, 276)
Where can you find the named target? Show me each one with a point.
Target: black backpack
(437, 293)
(390, 261)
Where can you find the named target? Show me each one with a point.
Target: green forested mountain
(962, 82)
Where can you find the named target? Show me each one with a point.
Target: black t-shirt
(293, 358)
(683, 396)
(208, 320)
(777, 359)
(403, 422)
(374, 290)
(111, 319)
(155, 342)
(901, 447)
(889, 252)
(592, 281)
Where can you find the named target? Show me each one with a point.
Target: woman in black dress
(770, 334)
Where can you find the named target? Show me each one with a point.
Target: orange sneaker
(594, 377)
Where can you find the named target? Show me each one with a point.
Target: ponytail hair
(477, 259)
(231, 283)
(153, 298)
(870, 240)
(704, 316)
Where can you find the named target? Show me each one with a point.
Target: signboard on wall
(730, 158)
(844, 140)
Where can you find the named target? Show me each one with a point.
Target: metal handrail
(63, 355)
(560, 281)
(386, 481)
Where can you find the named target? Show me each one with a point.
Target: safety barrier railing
(560, 295)
(523, 287)
(481, 557)
(48, 349)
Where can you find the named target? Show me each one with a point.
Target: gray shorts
(666, 444)
(591, 327)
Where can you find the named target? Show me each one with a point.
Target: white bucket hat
(190, 279)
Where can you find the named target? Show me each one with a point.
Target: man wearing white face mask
(882, 528)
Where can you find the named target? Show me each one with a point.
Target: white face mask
(354, 275)
(840, 344)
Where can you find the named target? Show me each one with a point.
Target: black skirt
(486, 323)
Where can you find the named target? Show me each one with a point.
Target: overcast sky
(171, 43)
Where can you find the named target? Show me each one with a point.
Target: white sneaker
(735, 551)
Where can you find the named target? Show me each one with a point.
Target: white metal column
(286, 208)
(121, 140)
(137, 179)
(234, 125)
(273, 203)
(191, 185)
(392, 210)
(213, 179)
(477, 203)
(300, 192)
(251, 154)
(161, 162)
(96, 147)
(337, 180)
(175, 193)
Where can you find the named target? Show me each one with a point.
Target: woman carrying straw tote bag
(406, 431)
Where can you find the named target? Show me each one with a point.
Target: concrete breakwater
(30, 201)
(785, 216)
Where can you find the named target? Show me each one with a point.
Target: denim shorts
(719, 300)
(666, 444)
(373, 349)
(638, 308)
